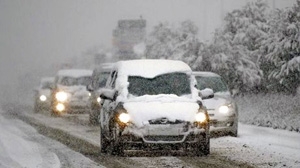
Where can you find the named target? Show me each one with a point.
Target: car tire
(116, 145)
(104, 143)
(93, 117)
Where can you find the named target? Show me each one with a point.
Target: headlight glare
(98, 99)
(61, 96)
(201, 117)
(124, 118)
(60, 107)
(224, 109)
(43, 98)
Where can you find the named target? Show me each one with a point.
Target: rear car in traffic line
(99, 78)
(222, 109)
(69, 94)
(153, 104)
(42, 95)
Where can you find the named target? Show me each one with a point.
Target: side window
(113, 79)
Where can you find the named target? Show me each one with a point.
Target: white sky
(34, 34)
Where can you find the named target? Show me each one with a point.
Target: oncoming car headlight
(224, 109)
(60, 107)
(98, 99)
(43, 98)
(61, 96)
(201, 117)
(124, 118)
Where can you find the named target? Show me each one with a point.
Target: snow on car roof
(205, 73)
(150, 67)
(104, 67)
(76, 73)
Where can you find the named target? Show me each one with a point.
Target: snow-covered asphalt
(254, 147)
(21, 146)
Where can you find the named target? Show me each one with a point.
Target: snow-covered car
(99, 78)
(42, 96)
(69, 94)
(153, 103)
(222, 109)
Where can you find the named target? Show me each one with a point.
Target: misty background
(38, 37)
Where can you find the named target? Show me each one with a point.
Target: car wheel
(104, 143)
(93, 117)
(234, 131)
(116, 145)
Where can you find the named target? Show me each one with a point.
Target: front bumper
(176, 134)
(74, 107)
(226, 124)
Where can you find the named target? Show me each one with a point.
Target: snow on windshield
(172, 83)
(150, 68)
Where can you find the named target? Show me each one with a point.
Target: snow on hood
(150, 68)
(218, 100)
(78, 90)
(142, 112)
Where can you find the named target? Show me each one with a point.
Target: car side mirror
(109, 94)
(89, 88)
(206, 93)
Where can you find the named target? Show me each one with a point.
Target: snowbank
(270, 110)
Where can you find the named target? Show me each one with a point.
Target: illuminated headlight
(43, 98)
(60, 107)
(124, 118)
(90, 94)
(98, 99)
(61, 96)
(201, 117)
(224, 109)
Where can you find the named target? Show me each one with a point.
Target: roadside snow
(17, 150)
(278, 111)
(261, 147)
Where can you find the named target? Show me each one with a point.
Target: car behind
(69, 94)
(222, 109)
(42, 96)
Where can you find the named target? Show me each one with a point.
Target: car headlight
(61, 96)
(43, 98)
(201, 117)
(90, 94)
(124, 118)
(98, 99)
(224, 109)
(60, 107)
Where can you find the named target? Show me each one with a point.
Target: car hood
(45, 92)
(142, 113)
(217, 101)
(75, 91)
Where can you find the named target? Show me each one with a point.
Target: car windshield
(71, 81)
(102, 79)
(172, 83)
(214, 83)
(46, 85)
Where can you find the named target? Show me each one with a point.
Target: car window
(172, 83)
(70, 81)
(46, 85)
(215, 83)
(102, 79)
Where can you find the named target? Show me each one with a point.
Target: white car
(69, 94)
(99, 78)
(42, 96)
(222, 109)
(153, 104)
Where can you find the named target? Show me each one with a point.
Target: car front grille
(164, 138)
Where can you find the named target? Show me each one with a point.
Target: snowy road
(21, 146)
(254, 147)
